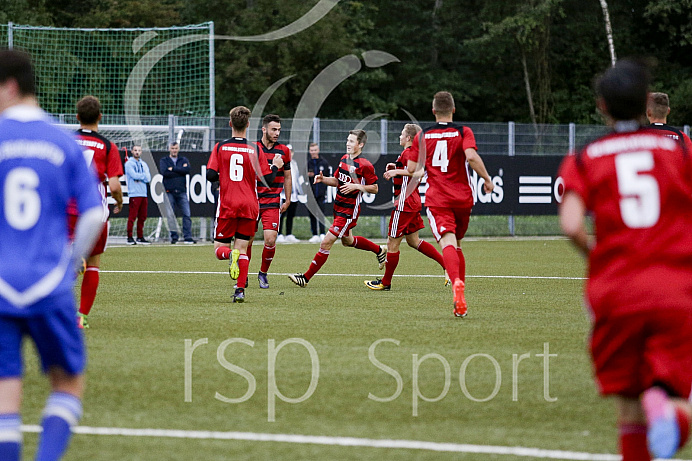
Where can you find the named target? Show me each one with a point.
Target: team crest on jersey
(274, 225)
(336, 228)
(351, 169)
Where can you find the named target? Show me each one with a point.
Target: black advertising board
(524, 185)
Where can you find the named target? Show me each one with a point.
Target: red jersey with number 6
(236, 162)
(638, 185)
(104, 157)
(445, 163)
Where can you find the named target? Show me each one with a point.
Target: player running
(635, 182)
(355, 176)
(405, 220)
(104, 156)
(449, 149)
(234, 163)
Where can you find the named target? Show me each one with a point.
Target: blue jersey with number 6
(41, 169)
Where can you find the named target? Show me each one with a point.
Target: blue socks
(10, 437)
(62, 412)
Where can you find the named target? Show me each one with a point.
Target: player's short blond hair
(411, 130)
(240, 115)
(443, 103)
(658, 104)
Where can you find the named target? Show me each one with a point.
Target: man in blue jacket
(174, 170)
(138, 176)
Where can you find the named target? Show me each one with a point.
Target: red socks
(243, 264)
(267, 257)
(317, 263)
(429, 250)
(633, 442)
(223, 252)
(683, 424)
(451, 259)
(392, 262)
(364, 244)
(462, 265)
(90, 283)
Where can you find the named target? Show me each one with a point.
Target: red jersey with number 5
(638, 185)
(104, 158)
(236, 162)
(445, 163)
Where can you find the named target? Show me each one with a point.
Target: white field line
(354, 275)
(340, 441)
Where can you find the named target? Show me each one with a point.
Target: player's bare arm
(288, 189)
(479, 167)
(116, 193)
(408, 171)
(350, 187)
(572, 212)
(326, 180)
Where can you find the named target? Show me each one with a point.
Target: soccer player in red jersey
(104, 156)
(635, 182)
(657, 110)
(355, 176)
(405, 220)
(235, 164)
(269, 192)
(448, 150)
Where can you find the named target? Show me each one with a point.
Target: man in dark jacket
(174, 170)
(317, 165)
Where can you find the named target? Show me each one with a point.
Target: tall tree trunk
(609, 31)
(527, 83)
(436, 31)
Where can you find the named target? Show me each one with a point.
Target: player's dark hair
(624, 89)
(17, 65)
(658, 104)
(411, 129)
(361, 136)
(443, 103)
(240, 115)
(270, 118)
(88, 110)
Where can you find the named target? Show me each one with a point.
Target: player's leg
(240, 248)
(632, 429)
(362, 243)
(318, 261)
(91, 278)
(270, 225)
(10, 388)
(61, 349)
(392, 261)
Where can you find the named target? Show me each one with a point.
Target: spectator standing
(138, 177)
(175, 170)
(290, 212)
(316, 166)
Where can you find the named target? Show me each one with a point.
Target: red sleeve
(114, 167)
(212, 164)
(369, 174)
(571, 176)
(286, 158)
(469, 141)
(688, 143)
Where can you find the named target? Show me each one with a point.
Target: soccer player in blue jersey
(41, 169)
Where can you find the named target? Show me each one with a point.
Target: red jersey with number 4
(445, 163)
(638, 185)
(270, 195)
(103, 156)
(401, 184)
(236, 162)
(359, 171)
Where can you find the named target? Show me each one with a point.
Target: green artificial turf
(142, 320)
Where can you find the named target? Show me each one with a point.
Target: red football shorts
(445, 220)
(341, 226)
(404, 223)
(633, 351)
(270, 219)
(100, 246)
(227, 228)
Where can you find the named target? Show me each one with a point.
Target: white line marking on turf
(340, 441)
(356, 275)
